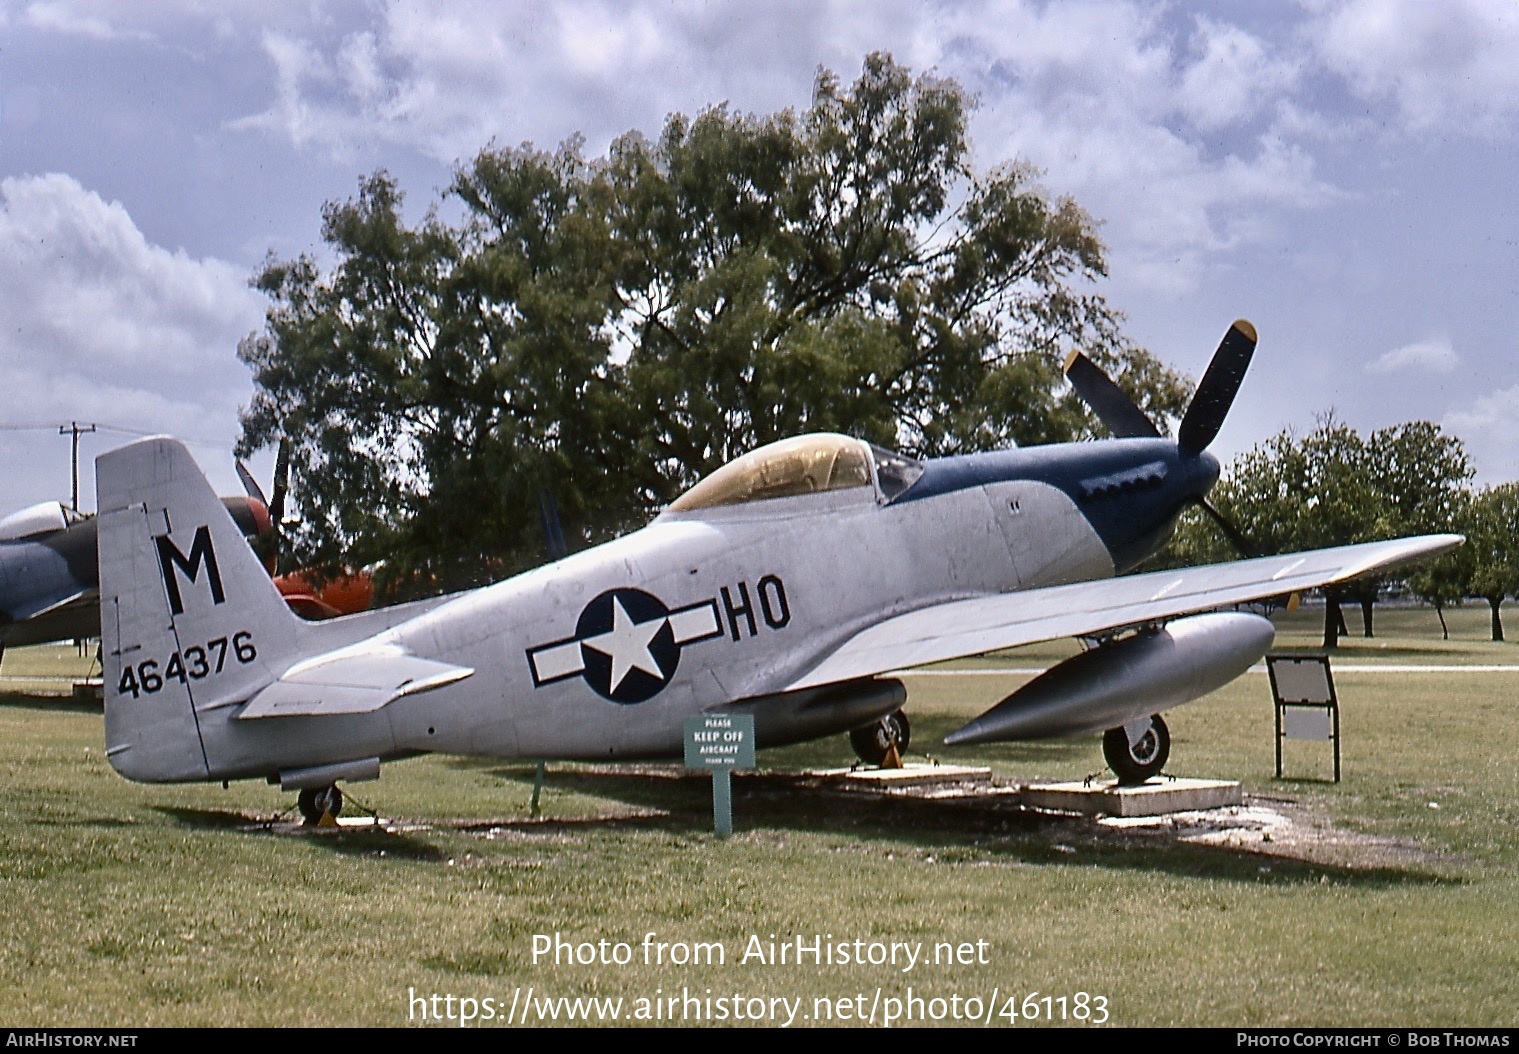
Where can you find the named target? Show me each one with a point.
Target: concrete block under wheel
(1154, 797)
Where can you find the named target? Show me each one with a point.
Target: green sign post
(721, 743)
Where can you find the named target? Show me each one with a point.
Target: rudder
(190, 621)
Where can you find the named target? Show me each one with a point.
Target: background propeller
(553, 529)
(268, 546)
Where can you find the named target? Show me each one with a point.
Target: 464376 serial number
(194, 664)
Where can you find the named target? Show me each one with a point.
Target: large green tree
(607, 330)
(437, 382)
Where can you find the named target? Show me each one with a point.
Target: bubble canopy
(807, 464)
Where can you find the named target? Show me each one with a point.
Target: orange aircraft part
(343, 595)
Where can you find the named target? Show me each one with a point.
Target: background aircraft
(49, 572)
(788, 584)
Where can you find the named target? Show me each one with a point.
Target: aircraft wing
(973, 626)
(354, 680)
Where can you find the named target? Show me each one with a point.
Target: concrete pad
(1155, 797)
(912, 775)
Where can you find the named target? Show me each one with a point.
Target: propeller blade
(1234, 534)
(1109, 402)
(281, 484)
(250, 485)
(1243, 546)
(553, 529)
(1214, 396)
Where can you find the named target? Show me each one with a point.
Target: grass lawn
(137, 905)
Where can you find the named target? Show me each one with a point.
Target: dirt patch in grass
(1284, 828)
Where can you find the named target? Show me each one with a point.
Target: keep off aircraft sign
(721, 743)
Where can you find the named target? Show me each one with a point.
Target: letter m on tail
(202, 554)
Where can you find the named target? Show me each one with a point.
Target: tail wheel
(316, 801)
(1145, 756)
(872, 743)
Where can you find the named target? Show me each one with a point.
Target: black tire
(872, 742)
(314, 801)
(1144, 759)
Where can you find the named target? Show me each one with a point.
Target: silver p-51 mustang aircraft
(788, 584)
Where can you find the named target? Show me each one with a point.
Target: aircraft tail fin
(190, 620)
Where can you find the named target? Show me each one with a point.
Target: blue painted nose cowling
(1133, 500)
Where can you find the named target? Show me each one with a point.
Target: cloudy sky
(1340, 173)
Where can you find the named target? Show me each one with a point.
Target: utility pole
(75, 429)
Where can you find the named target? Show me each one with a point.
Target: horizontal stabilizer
(37, 607)
(350, 681)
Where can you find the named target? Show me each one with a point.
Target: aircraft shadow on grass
(350, 841)
(949, 830)
(54, 703)
(944, 828)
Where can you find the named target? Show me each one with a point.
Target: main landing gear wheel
(315, 801)
(873, 742)
(1145, 757)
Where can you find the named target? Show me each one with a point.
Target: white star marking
(628, 644)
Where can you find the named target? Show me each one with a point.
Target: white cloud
(1449, 63)
(1233, 76)
(1189, 135)
(77, 20)
(1490, 431)
(1172, 139)
(445, 80)
(1180, 134)
(1425, 356)
(176, 21)
(97, 324)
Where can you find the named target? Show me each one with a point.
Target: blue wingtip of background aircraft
(789, 584)
(49, 570)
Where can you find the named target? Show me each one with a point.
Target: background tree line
(1334, 487)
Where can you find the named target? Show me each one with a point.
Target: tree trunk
(1493, 602)
(1444, 629)
(1366, 603)
(1333, 620)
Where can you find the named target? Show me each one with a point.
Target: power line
(50, 426)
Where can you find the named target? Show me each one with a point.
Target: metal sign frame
(1306, 704)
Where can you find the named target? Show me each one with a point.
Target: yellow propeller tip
(1072, 357)
(1246, 328)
